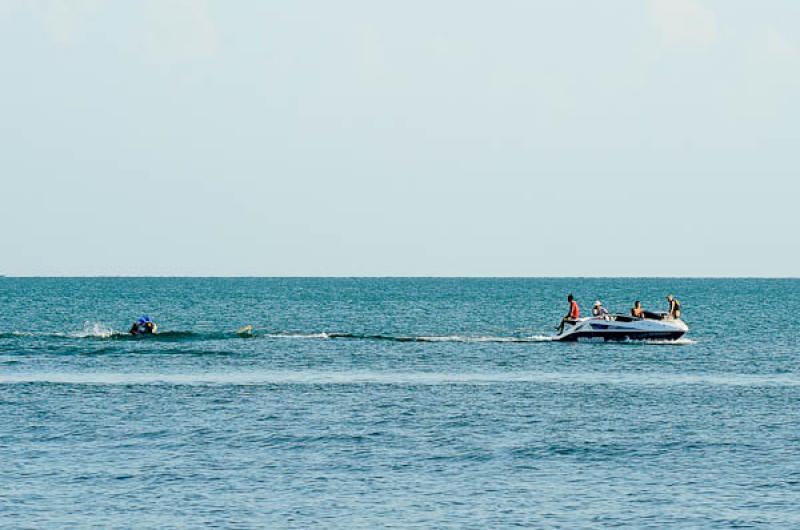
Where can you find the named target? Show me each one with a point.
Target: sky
(357, 138)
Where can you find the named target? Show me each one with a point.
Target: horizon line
(342, 277)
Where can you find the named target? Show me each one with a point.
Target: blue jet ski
(144, 325)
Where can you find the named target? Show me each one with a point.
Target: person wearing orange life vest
(573, 315)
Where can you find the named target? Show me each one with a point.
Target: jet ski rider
(143, 326)
(573, 315)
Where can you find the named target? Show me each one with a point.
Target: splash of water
(93, 329)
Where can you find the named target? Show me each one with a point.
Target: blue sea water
(370, 403)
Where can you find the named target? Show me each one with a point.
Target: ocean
(403, 403)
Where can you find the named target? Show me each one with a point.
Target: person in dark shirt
(674, 307)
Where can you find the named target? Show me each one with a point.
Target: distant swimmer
(143, 326)
(599, 311)
(637, 310)
(674, 307)
(573, 315)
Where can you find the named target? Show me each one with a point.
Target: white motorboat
(656, 326)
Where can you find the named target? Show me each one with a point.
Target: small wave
(676, 342)
(92, 329)
(540, 338)
(181, 336)
(315, 377)
(468, 338)
(108, 334)
(15, 334)
(290, 335)
(408, 338)
(397, 338)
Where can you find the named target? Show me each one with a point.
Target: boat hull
(611, 337)
(626, 328)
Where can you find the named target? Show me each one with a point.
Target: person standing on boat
(573, 315)
(674, 307)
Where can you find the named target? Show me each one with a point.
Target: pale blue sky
(592, 138)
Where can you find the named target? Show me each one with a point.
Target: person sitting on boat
(143, 326)
(674, 307)
(599, 311)
(573, 315)
(637, 310)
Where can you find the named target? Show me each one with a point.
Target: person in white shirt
(599, 311)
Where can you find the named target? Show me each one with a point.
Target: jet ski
(144, 325)
(655, 326)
